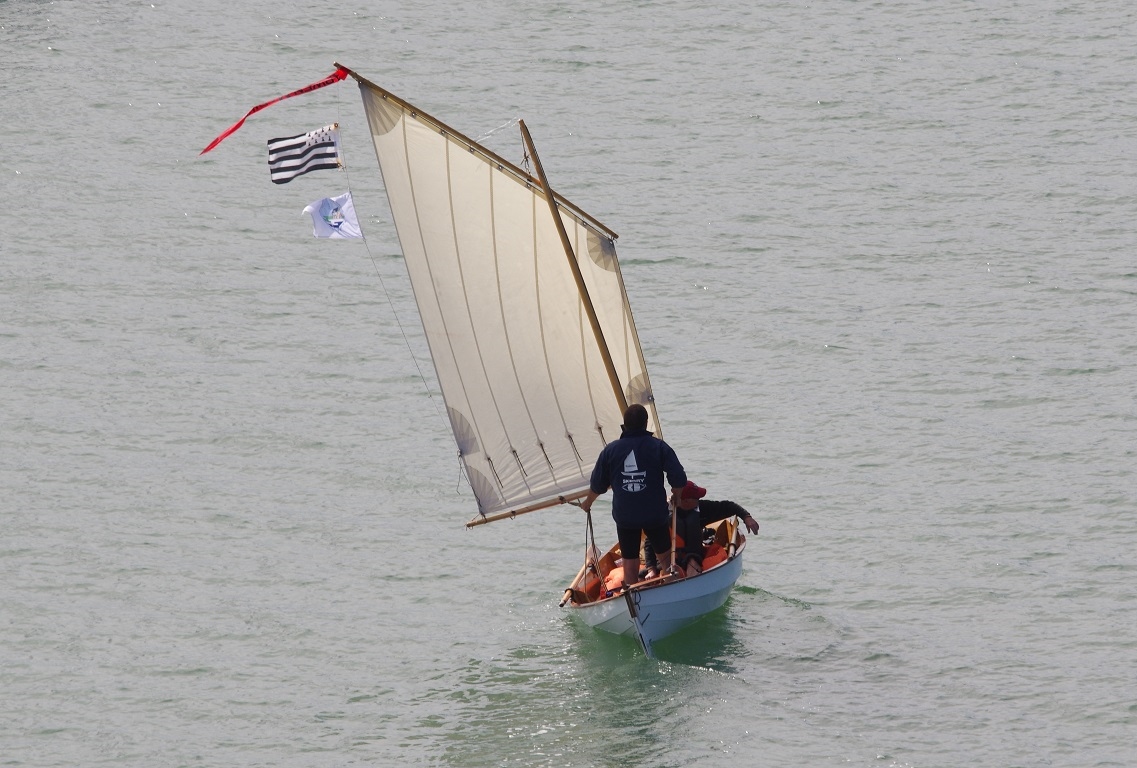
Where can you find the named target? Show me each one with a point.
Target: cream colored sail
(527, 392)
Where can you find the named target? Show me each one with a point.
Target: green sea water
(882, 261)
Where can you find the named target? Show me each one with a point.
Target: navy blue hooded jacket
(634, 467)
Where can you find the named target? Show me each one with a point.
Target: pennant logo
(334, 217)
(294, 156)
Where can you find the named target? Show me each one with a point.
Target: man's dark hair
(635, 417)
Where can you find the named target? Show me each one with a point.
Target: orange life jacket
(715, 554)
(615, 579)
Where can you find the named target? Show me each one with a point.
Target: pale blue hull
(654, 611)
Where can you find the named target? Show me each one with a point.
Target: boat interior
(603, 578)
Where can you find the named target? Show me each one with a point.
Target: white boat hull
(658, 609)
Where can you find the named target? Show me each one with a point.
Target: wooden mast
(610, 366)
(593, 321)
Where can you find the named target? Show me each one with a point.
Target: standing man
(634, 467)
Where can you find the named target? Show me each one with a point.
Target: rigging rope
(492, 131)
(591, 552)
(395, 314)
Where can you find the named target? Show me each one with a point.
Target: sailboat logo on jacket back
(633, 478)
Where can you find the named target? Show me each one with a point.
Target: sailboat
(531, 334)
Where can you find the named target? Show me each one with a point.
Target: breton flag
(294, 156)
(334, 217)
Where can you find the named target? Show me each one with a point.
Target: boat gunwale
(664, 580)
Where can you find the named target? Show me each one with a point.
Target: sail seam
(476, 337)
(472, 326)
(505, 327)
(541, 324)
(429, 339)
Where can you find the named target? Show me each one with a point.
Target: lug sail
(527, 391)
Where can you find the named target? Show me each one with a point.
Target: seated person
(693, 513)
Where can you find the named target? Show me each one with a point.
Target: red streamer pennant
(331, 79)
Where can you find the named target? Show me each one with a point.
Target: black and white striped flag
(294, 156)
